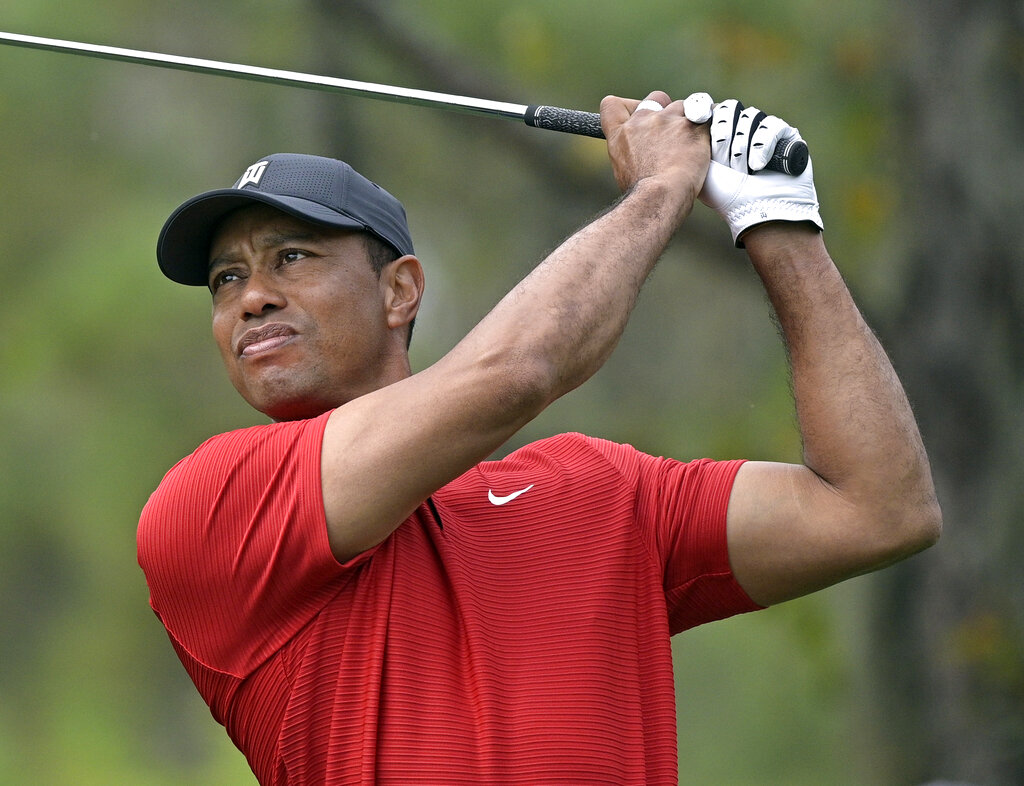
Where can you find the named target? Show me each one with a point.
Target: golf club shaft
(786, 158)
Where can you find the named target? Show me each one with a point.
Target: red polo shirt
(521, 638)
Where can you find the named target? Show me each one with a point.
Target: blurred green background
(108, 375)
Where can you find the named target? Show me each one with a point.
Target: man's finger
(698, 107)
(615, 111)
(764, 139)
(649, 105)
(656, 101)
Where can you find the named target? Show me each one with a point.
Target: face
(302, 321)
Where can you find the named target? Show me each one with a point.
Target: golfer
(361, 597)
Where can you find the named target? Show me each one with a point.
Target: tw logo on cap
(253, 174)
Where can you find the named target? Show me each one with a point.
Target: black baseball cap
(315, 189)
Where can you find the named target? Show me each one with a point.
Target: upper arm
(790, 533)
(385, 452)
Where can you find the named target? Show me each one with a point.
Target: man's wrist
(662, 197)
(782, 238)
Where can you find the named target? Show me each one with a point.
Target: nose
(261, 295)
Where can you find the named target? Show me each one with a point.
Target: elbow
(928, 529)
(502, 385)
(919, 527)
(924, 515)
(524, 383)
(892, 532)
(911, 514)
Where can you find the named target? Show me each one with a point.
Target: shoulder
(228, 474)
(253, 447)
(234, 547)
(557, 464)
(268, 439)
(574, 449)
(579, 454)
(572, 453)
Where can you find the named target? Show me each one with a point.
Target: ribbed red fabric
(520, 643)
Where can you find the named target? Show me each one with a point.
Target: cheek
(344, 311)
(222, 335)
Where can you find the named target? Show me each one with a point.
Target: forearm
(859, 433)
(564, 319)
(561, 323)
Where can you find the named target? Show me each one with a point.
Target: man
(360, 597)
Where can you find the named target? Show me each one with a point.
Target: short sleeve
(680, 512)
(234, 545)
(682, 509)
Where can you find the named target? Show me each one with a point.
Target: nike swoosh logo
(496, 500)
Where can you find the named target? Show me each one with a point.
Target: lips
(264, 338)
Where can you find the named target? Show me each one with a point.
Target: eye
(222, 277)
(292, 255)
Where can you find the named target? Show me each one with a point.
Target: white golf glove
(738, 186)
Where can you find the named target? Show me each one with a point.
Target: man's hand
(658, 145)
(739, 188)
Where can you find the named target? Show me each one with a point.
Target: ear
(403, 282)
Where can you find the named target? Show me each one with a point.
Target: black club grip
(570, 121)
(790, 155)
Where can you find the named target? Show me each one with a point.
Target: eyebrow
(268, 239)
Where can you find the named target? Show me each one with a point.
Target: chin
(281, 405)
(281, 395)
(288, 397)
(293, 410)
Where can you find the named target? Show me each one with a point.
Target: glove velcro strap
(762, 211)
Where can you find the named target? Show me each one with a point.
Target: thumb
(614, 112)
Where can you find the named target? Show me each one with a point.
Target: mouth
(265, 338)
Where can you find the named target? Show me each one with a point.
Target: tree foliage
(108, 374)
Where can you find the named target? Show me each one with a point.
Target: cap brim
(183, 248)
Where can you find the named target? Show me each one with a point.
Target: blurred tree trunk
(950, 627)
